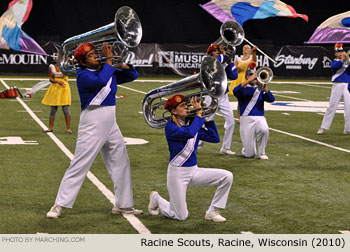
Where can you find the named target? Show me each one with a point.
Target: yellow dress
(57, 95)
(241, 74)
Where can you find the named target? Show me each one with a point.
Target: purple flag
(335, 29)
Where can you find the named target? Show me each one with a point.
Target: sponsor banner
(18, 62)
(177, 59)
(182, 59)
(303, 61)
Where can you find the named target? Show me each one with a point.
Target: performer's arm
(123, 72)
(175, 132)
(209, 133)
(221, 58)
(126, 74)
(336, 64)
(240, 90)
(231, 71)
(268, 96)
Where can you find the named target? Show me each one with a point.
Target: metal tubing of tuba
(211, 80)
(124, 32)
(231, 35)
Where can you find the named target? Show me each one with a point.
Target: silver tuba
(231, 35)
(211, 80)
(124, 32)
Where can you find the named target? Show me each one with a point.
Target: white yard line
(310, 140)
(316, 86)
(302, 82)
(291, 97)
(134, 221)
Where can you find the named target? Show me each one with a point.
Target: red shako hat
(173, 101)
(82, 49)
(212, 48)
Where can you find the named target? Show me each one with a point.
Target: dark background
(171, 21)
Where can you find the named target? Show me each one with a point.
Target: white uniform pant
(178, 178)
(339, 91)
(250, 127)
(98, 132)
(227, 112)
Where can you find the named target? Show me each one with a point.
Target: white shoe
(54, 212)
(128, 210)
(214, 216)
(153, 208)
(263, 157)
(227, 151)
(346, 132)
(320, 131)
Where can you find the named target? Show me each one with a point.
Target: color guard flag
(11, 34)
(335, 29)
(243, 10)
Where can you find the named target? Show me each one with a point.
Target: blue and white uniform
(341, 80)
(224, 105)
(99, 132)
(253, 122)
(183, 170)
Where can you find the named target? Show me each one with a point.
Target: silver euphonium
(211, 80)
(347, 58)
(231, 35)
(124, 32)
(264, 75)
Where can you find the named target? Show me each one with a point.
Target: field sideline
(302, 188)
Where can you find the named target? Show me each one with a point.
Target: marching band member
(253, 122)
(341, 79)
(98, 130)
(224, 106)
(182, 135)
(249, 55)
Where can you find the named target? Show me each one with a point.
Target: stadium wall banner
(183, 59)
(19, 62)
(303, 61)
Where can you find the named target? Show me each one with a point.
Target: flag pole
(260, 50)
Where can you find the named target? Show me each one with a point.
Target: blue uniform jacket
(183, 141)
(245, 95)
(230, 69)
(100, 86)
(340, 71)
